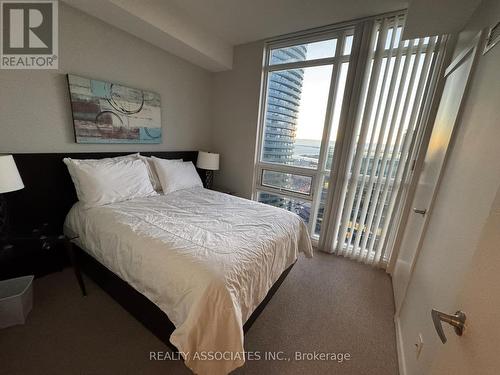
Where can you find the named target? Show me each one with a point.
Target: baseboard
(399, 346)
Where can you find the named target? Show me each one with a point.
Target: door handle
(457, 321)
(421, 212)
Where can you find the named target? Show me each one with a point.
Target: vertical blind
(392, 95)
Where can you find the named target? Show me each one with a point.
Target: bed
(207, 260)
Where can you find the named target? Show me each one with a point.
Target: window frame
(320, 173)
(285, 190)
(357, 75)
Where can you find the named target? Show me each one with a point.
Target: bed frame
(46, 199)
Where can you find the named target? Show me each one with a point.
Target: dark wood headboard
(49, 192)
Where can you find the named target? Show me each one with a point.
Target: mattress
(205, 258)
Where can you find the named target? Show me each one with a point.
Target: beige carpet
(327, 304)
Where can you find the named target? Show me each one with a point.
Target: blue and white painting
(105, 112)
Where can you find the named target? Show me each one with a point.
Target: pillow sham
(100, 182)
(176, 176)
(124, 157)
(153, 176)
(113, 159)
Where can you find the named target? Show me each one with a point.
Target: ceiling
(243, 21)
(204, 32)
(434, 17)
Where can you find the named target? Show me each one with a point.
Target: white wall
(463, 204)
(235, 118)
(35, 113)
(445, 17)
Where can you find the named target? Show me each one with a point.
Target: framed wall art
(105, 112)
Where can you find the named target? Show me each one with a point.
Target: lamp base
(209, 179)
(4, 219)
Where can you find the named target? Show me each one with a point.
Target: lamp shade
(208, 160)
(10, 180)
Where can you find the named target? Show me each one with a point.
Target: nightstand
(36, 255)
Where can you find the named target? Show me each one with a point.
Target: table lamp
(208, 161)
(10, 180)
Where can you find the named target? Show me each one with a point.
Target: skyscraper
(283, 103)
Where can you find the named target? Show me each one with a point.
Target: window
(287, 181)
(304, 89)
(385, 129)
(298, 206)
(296, 108)
(304, 52)
(304, 84)
(319, 145)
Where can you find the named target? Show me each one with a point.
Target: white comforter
(206, 259)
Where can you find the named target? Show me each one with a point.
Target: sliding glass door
(337, 134)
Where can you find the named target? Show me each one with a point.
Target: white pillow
(99, 182)
(116, 158)
(153, 176)
(124, 157)
(176, 176)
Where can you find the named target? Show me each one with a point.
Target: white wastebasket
(16, 300)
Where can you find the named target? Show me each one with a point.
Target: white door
(476, 352)
(457, 76)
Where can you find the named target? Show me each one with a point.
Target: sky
(315, 90)
(313, 102)
(316, 86)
